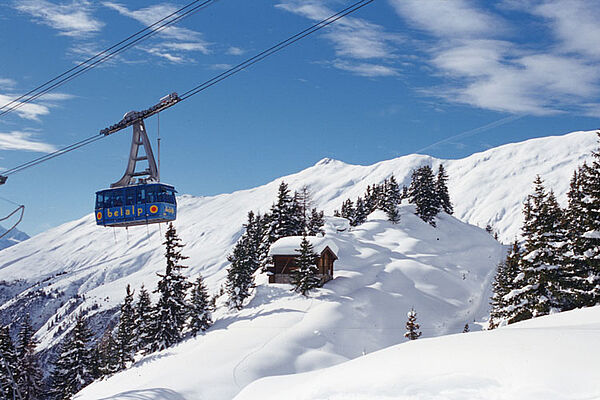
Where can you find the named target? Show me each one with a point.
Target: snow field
(380, 275)
(551, 357)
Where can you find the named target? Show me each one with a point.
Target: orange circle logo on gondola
(99, 215)
(153, 209)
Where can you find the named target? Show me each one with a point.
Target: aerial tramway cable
(197, 89)
(104, 55)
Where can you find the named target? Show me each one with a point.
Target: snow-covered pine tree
(9, 366)
(584, 232)
(126, 340)
(466, 329)
(412, 327)
(503, 309)
(282, 220)
(349, 212)
(171, 311)
(200, 310)
(74, 368)
(379, 195)
(305, 278)
(391, 200)
(541, 288)
(249, 253)
(361, 212)
(143, 314)
(422, 193)
(369, 200)
(29, 371)
(108, 354)
(305, 205)
(316, 223)
(404, 194)
(441, 188)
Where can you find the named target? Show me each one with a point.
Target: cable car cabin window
(166, 196)
(152, 194)
(130, 196)
(141, 195)
(117, 199)
(99, 200)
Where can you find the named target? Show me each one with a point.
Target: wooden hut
(284, 254)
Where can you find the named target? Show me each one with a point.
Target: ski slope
(551, 357)
(383, 270)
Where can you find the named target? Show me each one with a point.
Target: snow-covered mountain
(551, 357)
(78, 265)
(13, 237)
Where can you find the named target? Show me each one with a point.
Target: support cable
(205, 85)
(106, 55)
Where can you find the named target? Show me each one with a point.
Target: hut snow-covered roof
(287, 246)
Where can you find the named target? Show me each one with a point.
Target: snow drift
(551, 357)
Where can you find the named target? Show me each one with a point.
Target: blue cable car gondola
(136, 205)
(132, 200)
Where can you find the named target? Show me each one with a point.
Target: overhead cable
(205, 85)
(106, 54)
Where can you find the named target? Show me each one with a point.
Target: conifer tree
(126, 340)
(305, 278)
(9, 367)
(74, 368)
(412, 327)
(143, 314)
(171, 311)
(305, 205)
(248, 255)
(108, 354)
(369, 200)
(584, 232)
(422, 193)
(404, 193)
(441, 189)
(391, 200)
(282, 220)
(466, 329)
(29, 371)
(316, 223)
(541, 288)
(201, 318)
(503, 306)
(361, 212)
(349, 212)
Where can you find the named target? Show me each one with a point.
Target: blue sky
(445, 78)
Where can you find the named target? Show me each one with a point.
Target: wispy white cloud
(574, 23)
(70, 19)
(17, 140)
(221, 67)
(175, 40)
(6, 83)
(34, 110)
(366, 69)
(235, 51)
(455, 18)
(31, 111)
(351, 37)
(483, 68)
(354, 40)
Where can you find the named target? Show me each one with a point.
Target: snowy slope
(13, 237)
(383, 271)
(551, 357)
(79, 265)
